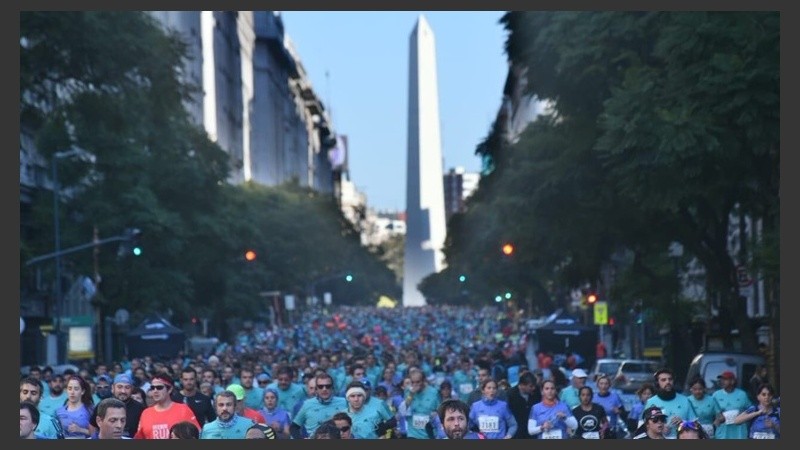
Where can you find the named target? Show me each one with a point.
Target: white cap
(579, 373)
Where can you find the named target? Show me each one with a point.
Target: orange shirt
(251, 413)
(156, 424)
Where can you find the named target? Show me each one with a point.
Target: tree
(680, 115)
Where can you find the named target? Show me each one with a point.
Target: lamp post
(58, 306)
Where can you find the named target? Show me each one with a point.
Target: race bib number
(489, 424)
(419, 421)
(709, 429)
(763, 435)
(465, 388)
(552, 434)
(730, 415)
(591, 435)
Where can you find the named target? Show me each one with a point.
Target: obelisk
(425, 216)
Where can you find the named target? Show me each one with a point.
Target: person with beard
(121, 389)
(228, 424)
(189, 395)
(54, 397)
(591, 417)
(521, 399)
(47, 426)
(674, 405)
(453, 416)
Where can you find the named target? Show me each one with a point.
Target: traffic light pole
(77, 248)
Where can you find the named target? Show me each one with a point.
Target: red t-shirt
(251, 413)
(156, 424)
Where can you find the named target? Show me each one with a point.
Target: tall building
(425, 217)
(458, 186)
(256, 102)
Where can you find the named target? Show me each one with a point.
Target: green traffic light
(137, 251)
(462, 278)
(349, 278)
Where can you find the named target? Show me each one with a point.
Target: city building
(458, 186)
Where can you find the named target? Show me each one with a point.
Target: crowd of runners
(371, 373)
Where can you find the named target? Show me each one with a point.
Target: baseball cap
(653, 412)
(262, 377)
(579, 373)
(104, 377)
(123, 379)
(366, 383)
(728, 375)
(237, 389)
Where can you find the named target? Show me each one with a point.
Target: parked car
(632, 373)
(709, 365)
(608, 366)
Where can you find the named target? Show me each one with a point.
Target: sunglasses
(662, 419)
(158, 387)
(344, 429)
(324, 386)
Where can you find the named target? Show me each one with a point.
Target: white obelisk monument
(425, 217)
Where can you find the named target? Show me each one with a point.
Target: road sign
(601, 313)
(743, 277)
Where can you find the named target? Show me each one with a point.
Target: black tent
(155, 336)
(563, 334)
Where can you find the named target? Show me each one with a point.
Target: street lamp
(57, 231)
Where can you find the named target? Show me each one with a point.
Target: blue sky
(365, 55)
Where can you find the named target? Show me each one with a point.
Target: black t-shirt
(589, 422)
(199, 403)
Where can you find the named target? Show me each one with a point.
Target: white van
(710, 365)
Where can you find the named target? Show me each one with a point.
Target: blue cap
(366, 383)
(122, 379)
(104, 377)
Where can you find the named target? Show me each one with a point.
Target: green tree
(109, 83)
(679, 112)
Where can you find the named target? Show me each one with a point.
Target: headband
(356, 390)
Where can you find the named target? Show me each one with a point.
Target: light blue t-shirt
(236, 428)
(314, 412)
(731, 404)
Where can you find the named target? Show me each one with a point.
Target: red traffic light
(250, 255)
(508, 249)
(591, 298)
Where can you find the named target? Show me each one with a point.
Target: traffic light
(508, 249)
(591, 298)
(250, 255)
(508, 295)
(462, 278)
(348, 278)
(131, 243)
